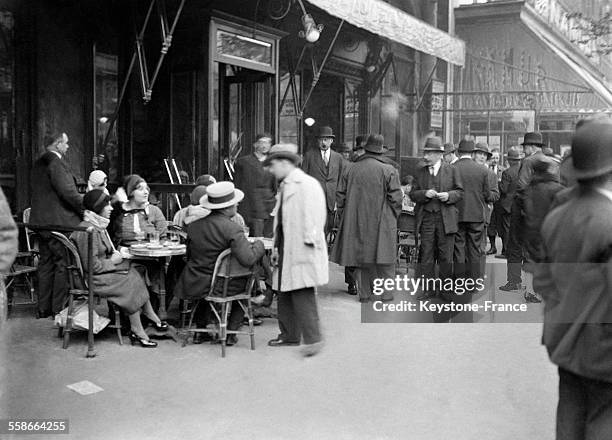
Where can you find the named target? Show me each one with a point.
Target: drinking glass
(154, 237)
(174, 238)
(139, 236)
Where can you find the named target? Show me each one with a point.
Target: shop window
(106, 154)
(351, 112)
(288, 121)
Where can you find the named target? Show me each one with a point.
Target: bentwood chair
(226, 269)
(77, 289)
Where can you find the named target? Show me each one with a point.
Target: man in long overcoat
(436, 190)
(507, 192)
(325, 165)
(55, 201)
(369, 207)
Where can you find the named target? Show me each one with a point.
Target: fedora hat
(483, 148)
(591, 152)
(466, 146)
(283, 151)
(375, 144)
(221, 195)
(533, 138)
(343, 147)
(433, 144)
(326, 132)
(513, 154)
(449, 148)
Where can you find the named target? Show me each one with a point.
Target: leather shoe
(232, 339)
(352, 289)
(278, 342)
(199, 338)
(509, 287)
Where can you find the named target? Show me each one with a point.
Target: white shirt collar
(436, 167)
(605, 192)
(58, 154)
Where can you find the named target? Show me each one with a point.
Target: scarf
(100, 223)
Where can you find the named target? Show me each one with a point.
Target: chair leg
(68, 326)
(251, 326)
(118, 325)
(223, 327)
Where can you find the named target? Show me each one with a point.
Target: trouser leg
(514, 250)
(366, 276)
(60, 276)
(306, 314)
(504, 229)
(459, 251)
(46, 270)
(473, 249)
(236, 315)
(286, 317)
(572, 407)
(427, 244)
(385, 271)
(268, 230)
(256, 227)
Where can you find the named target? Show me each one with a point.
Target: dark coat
(575, 281)
(368, 206)
(328, 176)
(449, 182)
(526, 169)
(207, 238)
(493, 194)
(476, 191)
(507, 187)
(120, 284)
(259, 188)
(55, 199)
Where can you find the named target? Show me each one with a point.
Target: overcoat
(328, 176)
(507, 187)
(207, 238)
(302, 210)
(368, 206)
(55, 199)
(120, 284)
(476, 191)
(575, 281)
(493, 194)
(449, 182)
(259, 188)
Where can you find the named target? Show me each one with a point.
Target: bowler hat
(533, 138)
(483, 148)
(466, 146)
(375, 144)
(591, 152)
(221, 195)
(513, 154)
(283, 151)
(433, 144)
(326, 132)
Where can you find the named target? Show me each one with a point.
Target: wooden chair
(77, 289)
(226, 270)
(406, 238)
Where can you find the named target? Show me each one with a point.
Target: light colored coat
(305, 250)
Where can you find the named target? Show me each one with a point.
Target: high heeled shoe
(143, 342)
(161, 327)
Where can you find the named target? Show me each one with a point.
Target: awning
(544, 34)
(385, 20)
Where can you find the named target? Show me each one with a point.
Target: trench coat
(303, 212)
(120, 284)
(369, 206)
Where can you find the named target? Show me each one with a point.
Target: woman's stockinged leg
(148, 311)
(136, 325)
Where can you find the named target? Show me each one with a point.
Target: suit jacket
(208, 237)
(493, 193)
(575, 281)
(476, 191)
(449, 182)
(507, 187)
(259, 188)
(328, 176)
(55, 199)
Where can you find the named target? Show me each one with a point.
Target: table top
(268, 242)
(164, 250)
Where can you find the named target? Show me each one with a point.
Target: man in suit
(575, 280)
(55, 201)
(326, 166)
(481, 156)
(507, 190)
(472, 213)
(449, 153)
(495, 226)
(259, 188)
(436, 189)
(532, 144)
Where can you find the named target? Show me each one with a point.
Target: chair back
(28, 231)
(406, 223)
(228, 268)
(75, 266)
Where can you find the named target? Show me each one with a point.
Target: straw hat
(221, 195)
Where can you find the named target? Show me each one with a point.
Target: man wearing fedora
(507, 191)
(472, 214)
(449, 153)
(300, 250)
(326, 166)
(575, 281)
(481, 156)
(208, 237)
(532, 145)
(369, 205)
(436, 190)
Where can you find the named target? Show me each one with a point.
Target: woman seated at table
(114, 278)
(133, 220)
(208, 237)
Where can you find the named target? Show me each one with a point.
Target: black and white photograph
(306, 219)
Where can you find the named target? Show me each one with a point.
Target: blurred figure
(449, 153)
(482, 156)
(97, 180)
(345, 151)
(407, 203)
(507, 191)
(358, 150)
(8, 250)
(575, 283)
(205, 179)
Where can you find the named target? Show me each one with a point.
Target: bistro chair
(77, 289)
(406, 239)
(226, 269)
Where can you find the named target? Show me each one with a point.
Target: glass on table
(174, 238)
(139, 236)
(154, 237)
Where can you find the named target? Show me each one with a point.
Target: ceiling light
(312, 31)
(309, 121)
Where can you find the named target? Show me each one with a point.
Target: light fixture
(103, 120)
(312, 30)
(309, 122)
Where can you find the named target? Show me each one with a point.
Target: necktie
(325, 158)
(431, 170)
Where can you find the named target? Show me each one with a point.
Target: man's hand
(116, 258)
(274, 257)
(443, 196)
(430, 193)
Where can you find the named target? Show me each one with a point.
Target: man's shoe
(256, 322)
(309, 350)
(509, 287)
(531, 298)
(387, 298)
(278, 342)
(232, 339)
(352, 289)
